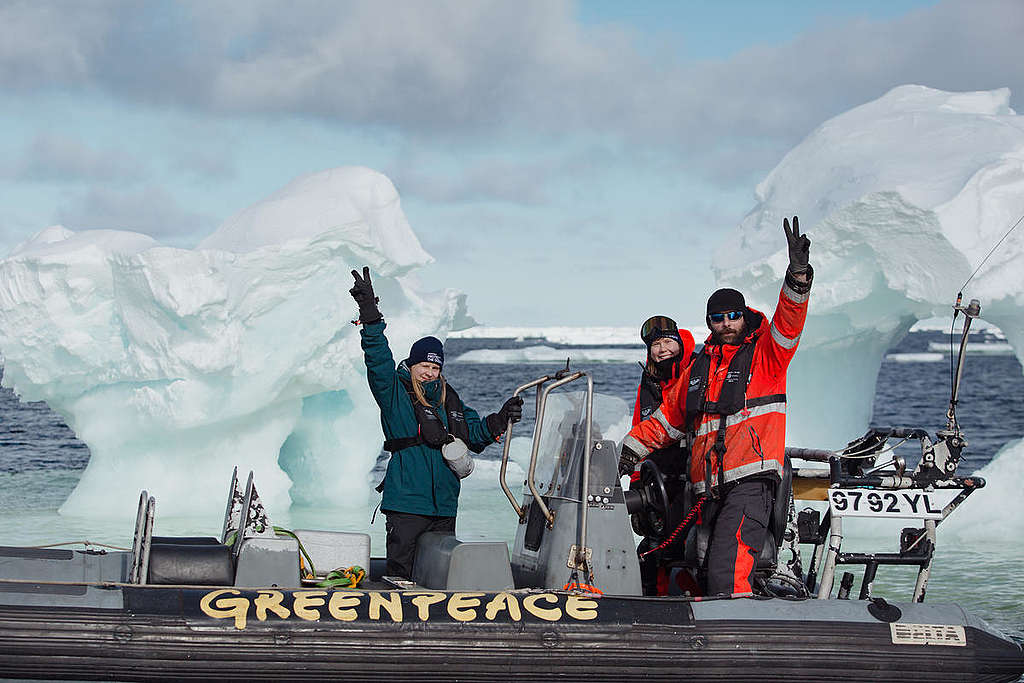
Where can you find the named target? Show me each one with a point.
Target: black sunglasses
(719, 317)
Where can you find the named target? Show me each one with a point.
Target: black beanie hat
(426, 350)
(726, 300)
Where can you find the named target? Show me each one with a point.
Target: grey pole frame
(581, 547)
(923, 574)
(828, 571)
(548, 515)
(508, 444)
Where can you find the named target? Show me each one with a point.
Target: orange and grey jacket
(731, 401)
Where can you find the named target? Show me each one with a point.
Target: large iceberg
(173, 365)
(903, 198)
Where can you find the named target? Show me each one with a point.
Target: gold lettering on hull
(503, 602)
(342, 605)
(545, 613)
(423, 601)
(392, 603)
(270, 601)
(213, 605)
(306, 601)
(395, 606)
(460, 606)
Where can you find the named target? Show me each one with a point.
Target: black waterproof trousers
(654, 567)
(739, 527)
(403, 530)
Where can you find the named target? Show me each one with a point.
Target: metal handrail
(581, 547)
(548, 515)
(507, 446)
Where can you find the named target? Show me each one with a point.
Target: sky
(565, 163)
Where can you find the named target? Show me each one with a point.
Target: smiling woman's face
(425, 372)
(664, 347)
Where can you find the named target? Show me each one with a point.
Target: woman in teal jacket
(421, 415)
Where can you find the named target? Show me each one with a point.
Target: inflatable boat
(261, 602)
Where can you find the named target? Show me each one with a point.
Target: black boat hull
(167, 633)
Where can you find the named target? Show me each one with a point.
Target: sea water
(41, 461)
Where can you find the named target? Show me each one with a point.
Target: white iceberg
(174, 365)
(902, 198)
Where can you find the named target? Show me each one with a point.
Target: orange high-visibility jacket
(755, 436)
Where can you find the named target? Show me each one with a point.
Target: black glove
(799, 246)
(362, 292)
(511, 410)
(628, 460)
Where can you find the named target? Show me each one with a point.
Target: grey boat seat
(443, 562)
(190, 564)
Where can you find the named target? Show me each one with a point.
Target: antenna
(972, 311)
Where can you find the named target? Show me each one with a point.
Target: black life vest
(431, 428)
(671, 460)
(649, 396)
(732, 398)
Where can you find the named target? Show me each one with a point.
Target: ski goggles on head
(720, 317)
(658, 326)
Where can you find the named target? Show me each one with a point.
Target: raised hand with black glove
(799, 247)
(362, 292)
(511, 410)
(628, 460)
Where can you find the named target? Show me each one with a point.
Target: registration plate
(905, 503)
(928, 634)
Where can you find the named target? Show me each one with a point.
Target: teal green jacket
(417, 480)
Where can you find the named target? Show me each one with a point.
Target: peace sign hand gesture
(362, 292)
(799, 246)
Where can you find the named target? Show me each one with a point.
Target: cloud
(491, 180)
(518, 175)
(151, 210)
(492, 70)
(55, 157)
(205, 164)
(48, 43)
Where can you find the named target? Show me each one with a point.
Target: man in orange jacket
(731, 405)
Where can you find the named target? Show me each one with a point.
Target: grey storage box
(266, 562)
(335, 549)
(446, 563)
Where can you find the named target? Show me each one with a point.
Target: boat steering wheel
(651, 520)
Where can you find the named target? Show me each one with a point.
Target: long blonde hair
(417, 390)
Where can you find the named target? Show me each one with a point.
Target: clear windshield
(565, 418)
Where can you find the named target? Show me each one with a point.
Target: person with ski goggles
(669, 351)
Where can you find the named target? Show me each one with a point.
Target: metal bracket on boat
(579, 558)
(143, 539)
